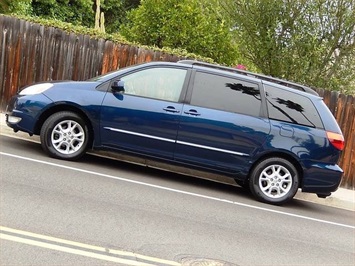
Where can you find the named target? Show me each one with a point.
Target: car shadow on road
(227, 185)
(221, 188)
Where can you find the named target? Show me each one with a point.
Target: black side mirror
(118, 86)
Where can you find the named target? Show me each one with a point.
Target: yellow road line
(81, 245)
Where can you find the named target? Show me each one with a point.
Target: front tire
(65, 135)
(274, 180)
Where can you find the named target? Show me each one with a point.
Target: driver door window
(157, 83)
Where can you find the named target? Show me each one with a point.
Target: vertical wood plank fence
(343, 108)
(30, 53)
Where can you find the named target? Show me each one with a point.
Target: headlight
(36, 89)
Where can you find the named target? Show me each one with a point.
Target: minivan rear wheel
(274, 180)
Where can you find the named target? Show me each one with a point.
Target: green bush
(116, 38)
(193, 25)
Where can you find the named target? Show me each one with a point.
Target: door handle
(171, 109)
(192, 112)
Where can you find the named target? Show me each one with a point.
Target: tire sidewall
(255, 176)
(46, 135)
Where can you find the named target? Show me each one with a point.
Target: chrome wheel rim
(275, 181)
(68, 137)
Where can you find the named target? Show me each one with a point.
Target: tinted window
(159, 83)
(226, 94)
(291, 107)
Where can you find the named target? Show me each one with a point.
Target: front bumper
(22, 112)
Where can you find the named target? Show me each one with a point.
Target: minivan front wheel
(65, 135)
(274, 180)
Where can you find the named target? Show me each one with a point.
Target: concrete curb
(342, 198)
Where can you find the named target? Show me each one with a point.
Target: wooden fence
(30, 52)
(343, 108)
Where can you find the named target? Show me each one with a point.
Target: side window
(158, 83)
(291, 107)
(227, 94)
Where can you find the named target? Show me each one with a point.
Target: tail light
(336, 139)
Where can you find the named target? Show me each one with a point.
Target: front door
(144, 119)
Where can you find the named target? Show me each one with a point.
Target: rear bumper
(322, 178)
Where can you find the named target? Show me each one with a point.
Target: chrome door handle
(192, 112)
(171, 109)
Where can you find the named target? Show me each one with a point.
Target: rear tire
(65, 135)
(274, 180)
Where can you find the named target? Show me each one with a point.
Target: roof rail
(286, 83)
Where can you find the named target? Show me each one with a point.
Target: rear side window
(291, 107)
(227, 94)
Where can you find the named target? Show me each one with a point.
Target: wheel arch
(60, 108)
(282, 155)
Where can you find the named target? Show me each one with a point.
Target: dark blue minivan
(270, 135)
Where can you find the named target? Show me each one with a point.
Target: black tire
(65, 135)
(274, 180)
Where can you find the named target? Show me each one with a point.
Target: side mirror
(118, 86)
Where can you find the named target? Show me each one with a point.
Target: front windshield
(108, 75)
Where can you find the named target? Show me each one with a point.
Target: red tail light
(336, 139)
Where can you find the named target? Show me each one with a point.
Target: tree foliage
(309, 41)
(194, 25)
(20, 7)
(78, 12)
(115, 12)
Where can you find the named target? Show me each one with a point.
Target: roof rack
(286, 83)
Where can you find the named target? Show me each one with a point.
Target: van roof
(286, 83)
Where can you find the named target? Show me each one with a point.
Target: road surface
(99, 211)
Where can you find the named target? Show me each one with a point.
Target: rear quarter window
(290, 107)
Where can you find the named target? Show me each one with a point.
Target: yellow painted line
(71, 250)
(81, 245)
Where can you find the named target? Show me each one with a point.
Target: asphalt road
(104, 212)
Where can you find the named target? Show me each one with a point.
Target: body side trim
(178, 142)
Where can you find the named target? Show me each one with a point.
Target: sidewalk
(342, 198)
